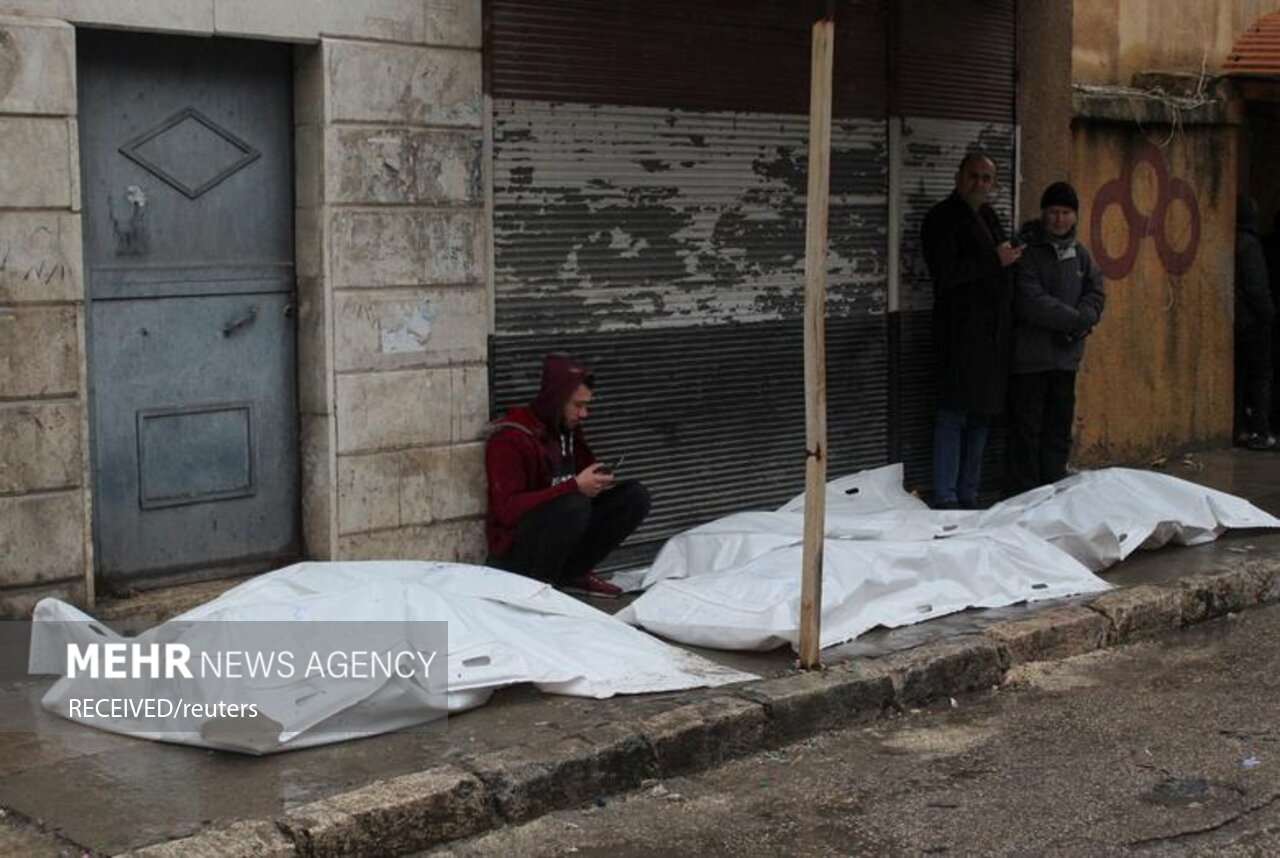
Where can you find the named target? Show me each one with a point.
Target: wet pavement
(111, 793)
(1165, 748)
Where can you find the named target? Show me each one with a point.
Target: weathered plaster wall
(44, 545)
(1114, 39)
(1158, 212)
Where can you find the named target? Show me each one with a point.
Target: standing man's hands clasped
(594, 479)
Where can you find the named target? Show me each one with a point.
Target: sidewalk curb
(451, 802)
(393, 816)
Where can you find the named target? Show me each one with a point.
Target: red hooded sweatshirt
(530, 457)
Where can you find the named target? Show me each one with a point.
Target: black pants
(566, 538)
(1275, 374)
(1253, 380)
(1042, 406)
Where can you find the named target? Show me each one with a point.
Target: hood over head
(561, 376)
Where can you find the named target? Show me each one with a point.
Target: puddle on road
(1190, 792)
(942, 741)
(1135, 665)
(1068, 675)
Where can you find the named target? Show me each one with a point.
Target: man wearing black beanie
(1058, 298)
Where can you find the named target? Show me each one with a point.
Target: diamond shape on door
(190, 152)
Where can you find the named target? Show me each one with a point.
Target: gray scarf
(1064, 246)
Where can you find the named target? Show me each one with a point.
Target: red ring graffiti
(1119, 192)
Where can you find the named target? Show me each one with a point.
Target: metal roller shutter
(712, 418)
(649, 177)
(624, 218)
(730, 55)
(954, 60)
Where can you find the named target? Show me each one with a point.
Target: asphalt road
(1168, 747)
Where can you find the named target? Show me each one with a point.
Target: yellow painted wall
(1113, 39)
(1157, 373)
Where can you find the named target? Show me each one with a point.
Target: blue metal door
(185, 149)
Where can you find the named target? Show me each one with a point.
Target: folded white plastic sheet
(865, 583)
(1101, 517)
(503, 629)
(866, 505)
(734, 582)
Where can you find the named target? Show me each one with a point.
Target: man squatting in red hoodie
(554, 511)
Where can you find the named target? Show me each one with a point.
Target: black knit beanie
(1060, 194)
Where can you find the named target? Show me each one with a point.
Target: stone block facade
(391, 206)
(44, 486)
(390, 243)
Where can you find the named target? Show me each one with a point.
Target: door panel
(187, 177)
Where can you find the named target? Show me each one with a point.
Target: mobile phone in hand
(611, 466)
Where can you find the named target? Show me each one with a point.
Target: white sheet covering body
(865, 583)
(889, 560)
(503, 629)
(1101, 517)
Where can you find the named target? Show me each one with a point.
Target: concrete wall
(1044, 99)
(1158, 212)
(390, 239)
(44, 546)
(1115, 39)
(1158, 373)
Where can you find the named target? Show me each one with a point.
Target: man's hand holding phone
(612, 465)
(594, 479)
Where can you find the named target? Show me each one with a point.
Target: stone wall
(394, 185)
(44, 546)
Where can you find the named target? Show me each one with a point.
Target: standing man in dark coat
(1271, 251)
(969, 261)
(1255, 314)
(1058, 298)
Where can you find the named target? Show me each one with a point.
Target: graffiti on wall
(1176, 251)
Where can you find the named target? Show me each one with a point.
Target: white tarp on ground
(502, 629)
(865, 583)
(1101, 517)
(890, 561)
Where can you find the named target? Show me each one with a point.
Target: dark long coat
(972, 305)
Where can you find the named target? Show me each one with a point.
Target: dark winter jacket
(1058, 299)
(1271, 251)
(972, 305)
(1254, 307)
(529, 458)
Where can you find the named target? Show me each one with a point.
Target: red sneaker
(592, 585)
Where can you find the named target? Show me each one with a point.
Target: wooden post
(815, 350)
